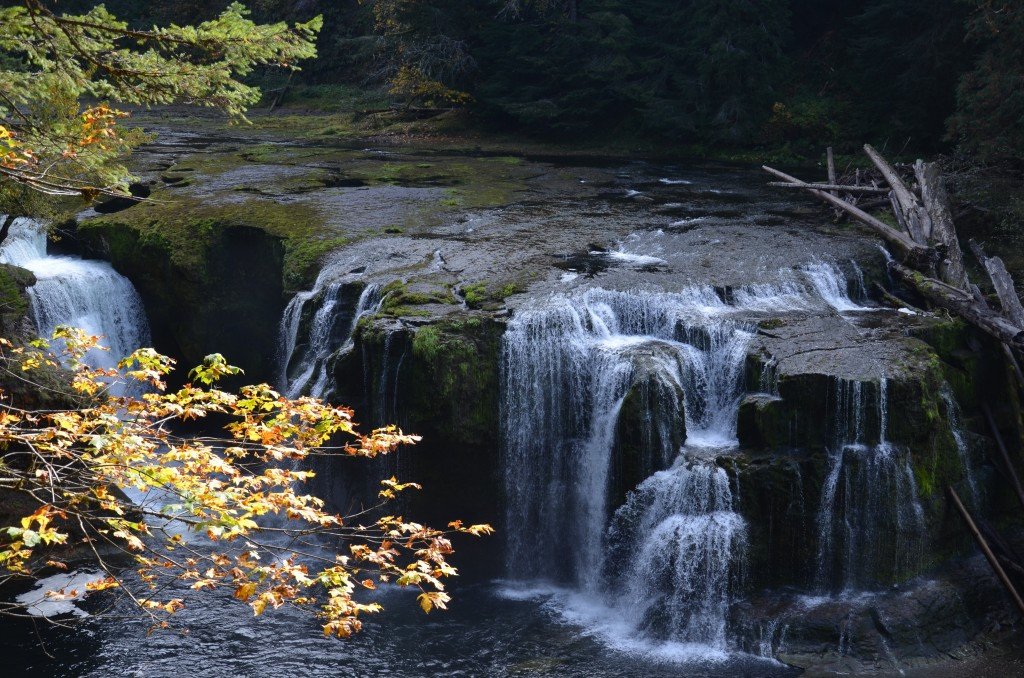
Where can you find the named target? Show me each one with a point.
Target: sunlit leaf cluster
(209, 513)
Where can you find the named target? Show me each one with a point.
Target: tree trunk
(936, 201)
(908, 210)
(831, 162)
(1003, 282)
(832, 188)
(961, 303)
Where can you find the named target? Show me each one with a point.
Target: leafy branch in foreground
(253, 531)
(50, 62)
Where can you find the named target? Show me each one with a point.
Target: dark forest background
(915, 75)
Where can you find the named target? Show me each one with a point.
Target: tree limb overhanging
(53, 144)
(258, 535)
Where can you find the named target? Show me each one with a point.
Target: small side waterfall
(677, 539)
(860, 285)
(870, 518)
(380, 382)
(955, 418)
(830, 284)
(77, 292)
(316, 325)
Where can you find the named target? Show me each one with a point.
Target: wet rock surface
(932, 624)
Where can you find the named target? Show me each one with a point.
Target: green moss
(454, 384)
(426, 343)
(400, 301)
(184, 228)
(475, 294)
(887, 217)
(508, 290)
(925, 479)
(482, 295)
(771, 323)
(13, 300)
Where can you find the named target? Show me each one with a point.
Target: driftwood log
(961, 303)
(927, 254)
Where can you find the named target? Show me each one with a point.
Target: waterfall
(870, 518)
(77, 292)
(568, 365)
(955, 418)
(768, 381)
(381, 390)
(830, 284)
(328, 329)
(859, 283)
(677, 537)
(664, 562)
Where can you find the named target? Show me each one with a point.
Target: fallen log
(905, 205)
(983, 544)
(893, 300)
(917, 255)
(961, 303)
(1003, 282)
(936, 202)
(831, 187)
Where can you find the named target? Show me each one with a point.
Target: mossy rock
(400, 298)
(44, 387)
(651, 428)
(806, 422)
(489, 296)
(186, 227)
(439, 380)
(221, 292)
(14, 301)
(771, 493)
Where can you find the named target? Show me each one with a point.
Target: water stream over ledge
(657, 575)
(76, 292)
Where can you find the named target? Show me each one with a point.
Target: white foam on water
(830, 284)
(38, 603)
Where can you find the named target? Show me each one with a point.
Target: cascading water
(955, 418)
(330, 329)
(831, 285)
(870, 518)
(567, 367)
(381, 387)
(673, 545)
(860, 284)
(77, 292)
(668, 556)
